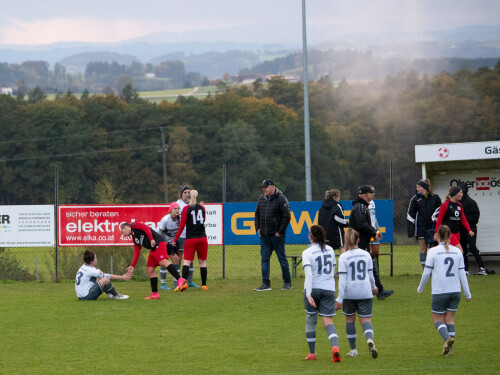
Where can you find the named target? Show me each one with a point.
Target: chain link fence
(77, 185)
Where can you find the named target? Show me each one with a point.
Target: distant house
(6, 90)
(292, 78)
(149, 75)
(247, 78)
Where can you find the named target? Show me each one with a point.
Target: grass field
(230, 329)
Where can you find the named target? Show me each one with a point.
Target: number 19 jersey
(357, 265)
(322, 263)
(445, 266)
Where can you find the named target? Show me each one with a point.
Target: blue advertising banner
(239, 226)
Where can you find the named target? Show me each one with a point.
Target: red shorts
(455, 239)
(196, 245)
(155, 257)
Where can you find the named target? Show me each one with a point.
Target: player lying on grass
(356, 290)
(446, 265)
(319, 290)
(144, 236)
(90, 281)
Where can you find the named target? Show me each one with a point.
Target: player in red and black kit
(144, 236)
(452, 214)
(193, 218)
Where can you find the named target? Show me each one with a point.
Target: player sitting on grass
(90, 282)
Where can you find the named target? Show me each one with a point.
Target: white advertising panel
(484, 188)
(457, 151)
(27, 226)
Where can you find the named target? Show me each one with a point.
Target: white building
(478, 165)
(6, 90)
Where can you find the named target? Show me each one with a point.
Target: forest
(108, 148)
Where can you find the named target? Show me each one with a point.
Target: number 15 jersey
(445, 266)
(356, 266)
(322, 263)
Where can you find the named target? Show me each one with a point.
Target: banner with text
(239, 219)
(27, 226)
(99, 225)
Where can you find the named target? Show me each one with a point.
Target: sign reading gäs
(99, 225)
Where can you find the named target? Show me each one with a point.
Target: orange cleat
(335, 354)
(204, 287)
(311, 357)
(153, 296)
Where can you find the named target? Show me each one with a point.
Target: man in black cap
(360, 221)
(471, 212)
(272, 216)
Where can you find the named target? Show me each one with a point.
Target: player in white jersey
(319, 290)
(90, 281)
(446, 265)
(356, 290)
(183, 201)
(168, 227)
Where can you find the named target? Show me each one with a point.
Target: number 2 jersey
(322, 263)
(356, 279)
(448, 270)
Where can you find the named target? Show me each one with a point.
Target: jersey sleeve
(137, 252)
(442, 211)
(305, 259)
(411, 215)
(182, 224)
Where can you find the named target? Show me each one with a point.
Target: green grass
(232, 330)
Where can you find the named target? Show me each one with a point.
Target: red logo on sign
(443, 152)
(482, 183)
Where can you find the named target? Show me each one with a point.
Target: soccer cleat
(118, 296)
(482, 271)
(181, 285)
(352, 353)
(335, 354)
(311, 357)
(447, 345)
(287, 286)
(263, 287)
(154, 295)
(165, 287)
(371, 347)
(192, 285)
(204, 287)
(384, 294)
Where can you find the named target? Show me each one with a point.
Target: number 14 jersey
(445, 266)
(322, 263)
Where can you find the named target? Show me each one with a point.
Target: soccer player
(90, 281)
(193, 219)
(183, 201)
(446, 265)
(168, 227)
(144, 236)
(356, 290)
(319, 290)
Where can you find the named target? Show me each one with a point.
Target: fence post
(56, 204)
(223, 201)
(111, 263)
(392, 200)
(36, 267)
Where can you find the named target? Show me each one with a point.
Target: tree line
(108, 147)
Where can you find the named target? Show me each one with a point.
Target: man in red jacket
(144, 236)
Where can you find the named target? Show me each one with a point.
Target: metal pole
(111, 263)
(56, 207)
(392, 200)
(36, 266)
(223, 201)
(307, 143)
(164, 155)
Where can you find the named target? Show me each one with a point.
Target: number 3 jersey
(322, 263)
(446, 267)
(356, 275)
(86, 278)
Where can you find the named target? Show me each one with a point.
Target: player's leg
(311, 321)
(349, 310)
(439, 305)
(365, 319)
(423, 251)
(449, 318)
(202, 252)
(471, 244)
(180, 251)
(331, 331)
(189, 251)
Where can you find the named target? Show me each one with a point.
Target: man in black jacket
(360, 221)
(471, 211)
(272, 216)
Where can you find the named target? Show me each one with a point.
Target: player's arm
(410, 217)
(425, 277)
(442, 211)
(182, 225)
(464, 221)
(137, 252)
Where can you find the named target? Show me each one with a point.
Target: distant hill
(78, 62)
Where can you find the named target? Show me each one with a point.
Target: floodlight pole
(164, 155)
(307, 145)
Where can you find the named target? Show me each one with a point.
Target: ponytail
(444, 233)
(351, 239)
(192, 200)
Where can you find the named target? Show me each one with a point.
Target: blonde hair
(428, 182)
(351, 239)
(192, 200)
(444, 235)
(330, 194)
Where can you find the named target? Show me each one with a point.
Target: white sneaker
(352, 353)
(372, 348)
(118, 296)
(466, 273)
(482, 271)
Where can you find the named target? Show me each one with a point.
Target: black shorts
(324, 300)
(172, 250)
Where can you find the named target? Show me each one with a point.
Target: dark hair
(330, 194)
(123, 225)
(88, 256)
(181, 190)
(454, 190)
(351, 239)
(444, 233)
(318, 234)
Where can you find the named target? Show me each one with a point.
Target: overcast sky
(31, 22)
